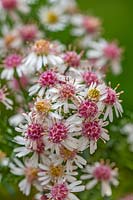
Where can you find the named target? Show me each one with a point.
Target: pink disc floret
(59, 192)
(88, 109)
(48, 78)
(58, 132)
(28, 32)
(91, 130)
(72, 58)
(112, 51)
(90, 77)
(102, 172)
(91, 24)
(13, 60)
(111, 97)
(35, 131)
(67, 91)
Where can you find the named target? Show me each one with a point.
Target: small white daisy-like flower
(62, 132)
(47, 79)
(72, 157)
(4, 99)
(10, 39)
(89, 27)
(12, 64)
(32, 130)
(53, 18)
(52, 170)
(101, 172)
(66, 96)
(41, 55)
(65, 191)
(112, 100)
(103, 53)
(96, 92)
(29, 171)
(43, 108)
(93, 131)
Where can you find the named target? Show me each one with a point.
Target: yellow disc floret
(43, 106)
(52, 17)
(94, 94)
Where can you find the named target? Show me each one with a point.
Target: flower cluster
(66, 103)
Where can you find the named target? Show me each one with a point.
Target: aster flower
(93, 131)
(112, 100)
(72, 157)
(62, 132)
(47, 79)
(12, 64)
(32, 130)
(72, 59)
(29, 32)
(12, 5)
(64, 191)
(89, 27)
(53, 18)
(103, 173)
(29, 171)
(52, 170)
(4, 99)
(43, 108)
(41, 55)
(10, 39)
(96, 92)
(105, 53)
(66, 95)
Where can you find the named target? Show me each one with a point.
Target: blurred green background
(117, 18)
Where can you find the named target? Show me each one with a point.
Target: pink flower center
(111, 96)
(72, 58)
(91, 24)
(67, 91)
(35, 131)
(28, 32)
(59, 192)
(47, 78)
(13, 60)
(88, 109)
(58, 132)
(90, 77)
(92, 130)
(102, 172)
(9, 4)
(112, 51)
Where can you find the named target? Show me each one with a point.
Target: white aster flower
(105, 53)
(53, 170)
(41, 55)
(53, 18)
(29, 171)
